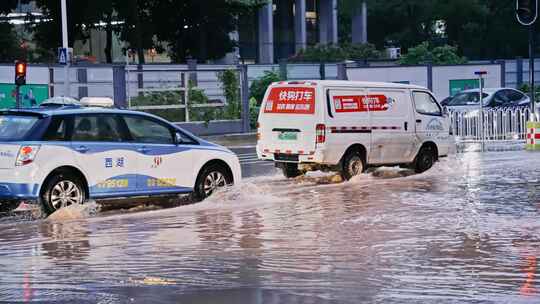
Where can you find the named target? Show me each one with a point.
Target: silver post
(481, 112)
(65, 46)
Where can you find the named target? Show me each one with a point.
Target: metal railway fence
(490, 125)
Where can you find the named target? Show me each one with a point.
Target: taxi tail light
(320, 133)
(258, 131)
(26, 155)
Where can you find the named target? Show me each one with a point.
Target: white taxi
(63, 154)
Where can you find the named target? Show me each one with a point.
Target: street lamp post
(65, 47)
(480, 75)
(527, 14)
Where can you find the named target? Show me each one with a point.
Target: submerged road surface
(467, 231)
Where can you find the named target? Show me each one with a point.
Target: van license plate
(287, 136)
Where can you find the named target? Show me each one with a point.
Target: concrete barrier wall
(442, 75)
(416, 75)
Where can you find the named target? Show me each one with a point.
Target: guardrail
(505, 124)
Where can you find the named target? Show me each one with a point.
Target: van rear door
(288, 118)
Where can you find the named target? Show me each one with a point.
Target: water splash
(75, 211)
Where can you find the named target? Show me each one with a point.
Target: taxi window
(103, 128)
(145, 130)
(15, 127)
(57, 130)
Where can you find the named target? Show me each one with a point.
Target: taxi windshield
(15, 127)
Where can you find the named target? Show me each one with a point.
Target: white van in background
(347, 126)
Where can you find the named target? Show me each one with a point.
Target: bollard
(533, 136)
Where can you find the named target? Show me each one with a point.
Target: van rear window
(291, 100)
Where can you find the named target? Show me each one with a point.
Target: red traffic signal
(527, 11)
(20, 73)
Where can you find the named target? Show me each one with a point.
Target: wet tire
(290, 170)
(62, 190)
(354, 163)
(211, 178)
(424, 160)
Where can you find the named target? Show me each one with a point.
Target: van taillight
(320, 133)
(258, 131)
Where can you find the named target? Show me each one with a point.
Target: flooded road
(467, 231)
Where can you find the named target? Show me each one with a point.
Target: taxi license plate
(288, 136)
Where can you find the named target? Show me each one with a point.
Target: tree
(136, 27)
(48, 35)
(424, 53)
(481, 29)
(9, 40)
(198, 29)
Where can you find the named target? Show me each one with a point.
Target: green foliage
(481, 28)
(424, 53)
(258, 86)
(195, 96)
(10, 50)
(335, 53)
(254, 108)
(162, 98)
(526, 88)
(230, 83)
(199, 29)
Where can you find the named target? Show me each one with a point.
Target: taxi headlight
(26, 155)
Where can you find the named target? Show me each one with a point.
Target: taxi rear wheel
(210, 179)
(62, 190)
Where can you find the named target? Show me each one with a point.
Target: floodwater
(467, 231)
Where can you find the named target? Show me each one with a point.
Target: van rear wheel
(354, 163)
(290, 170)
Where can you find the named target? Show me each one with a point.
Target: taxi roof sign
(104, 102)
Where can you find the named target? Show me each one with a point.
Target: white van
(346, 126)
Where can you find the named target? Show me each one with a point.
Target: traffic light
(20, 73)
(526, 11)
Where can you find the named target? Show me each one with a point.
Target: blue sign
(62, 56)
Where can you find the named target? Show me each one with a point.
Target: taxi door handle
(143, 150)
(82, 149)
(418, 121)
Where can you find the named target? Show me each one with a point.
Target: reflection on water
(466, 231)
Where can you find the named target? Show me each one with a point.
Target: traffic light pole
(65, 46)
(531, 71)
(18, 96)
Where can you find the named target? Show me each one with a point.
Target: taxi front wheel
(62, 190)
(210, 179)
